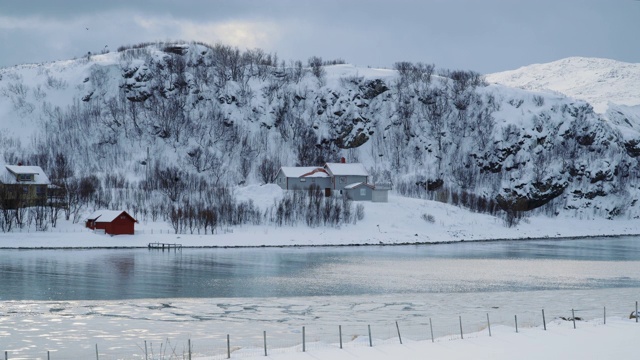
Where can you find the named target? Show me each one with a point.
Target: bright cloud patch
(244, 34)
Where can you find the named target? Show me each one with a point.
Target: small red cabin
(113, 222)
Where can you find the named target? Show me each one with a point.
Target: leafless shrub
(428, 218)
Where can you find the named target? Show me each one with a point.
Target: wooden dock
(162, 246)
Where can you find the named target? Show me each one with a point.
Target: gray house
(303, 177)
(343, 174)
(366, 192)
(351, 180)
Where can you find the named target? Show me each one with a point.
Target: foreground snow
(400, 221)
(616, 340)
(121, 328)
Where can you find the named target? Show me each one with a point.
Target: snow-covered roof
(304, 171)
(106, 215)
(342, 169)
(358, 184)
(8, 174)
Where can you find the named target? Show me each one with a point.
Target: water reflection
(289, 272)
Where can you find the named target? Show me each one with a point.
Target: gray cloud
(486, 36)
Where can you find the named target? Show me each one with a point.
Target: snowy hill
(169, 129)
(597, 81)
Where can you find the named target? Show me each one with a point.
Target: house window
(313, 181)
(25, 177)
(363, 192)
(25, 189)
(40, 190)
(303, 179)
(343, 179)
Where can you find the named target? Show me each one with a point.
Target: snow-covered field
(616, 340)
(399, 221)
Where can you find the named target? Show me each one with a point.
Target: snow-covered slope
(212, 116)
(597, 81)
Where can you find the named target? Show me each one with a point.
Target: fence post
(636, 311)
(340, 332)
(573, 315)
(605, 315)
(488, 324)
(97, 356)
(370, 342)
(48, 357)
(399, 337)
(146, 353)
(6, 355)
(265, 342)
(516, 317)
(544, 321)
(189, 343)
(228, 348)
(304, 344)
(431, 327)
(461, 335)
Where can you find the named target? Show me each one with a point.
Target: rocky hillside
(213, 116)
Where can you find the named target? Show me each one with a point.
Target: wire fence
(308, 338)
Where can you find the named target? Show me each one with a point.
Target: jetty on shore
(162, 246)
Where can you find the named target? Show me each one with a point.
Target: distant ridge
(597, 81)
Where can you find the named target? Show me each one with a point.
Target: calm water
(295, 272)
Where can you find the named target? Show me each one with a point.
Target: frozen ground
(399, 221)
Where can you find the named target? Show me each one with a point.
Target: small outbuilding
(113, 222)
(366, 192)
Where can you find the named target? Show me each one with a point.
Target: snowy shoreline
(401, 221)
(283, 246)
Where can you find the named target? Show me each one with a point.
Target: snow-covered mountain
(596, 81)
(212, 116)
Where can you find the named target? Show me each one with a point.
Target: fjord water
(117, 274)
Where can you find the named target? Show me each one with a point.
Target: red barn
(113, 222)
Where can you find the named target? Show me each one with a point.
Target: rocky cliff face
(217, 114)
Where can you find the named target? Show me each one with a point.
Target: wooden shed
(113, 222)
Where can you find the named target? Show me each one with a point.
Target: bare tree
(317, 69)
(268, 169)
(170, 182)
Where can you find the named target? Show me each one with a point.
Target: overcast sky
(482, 35)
